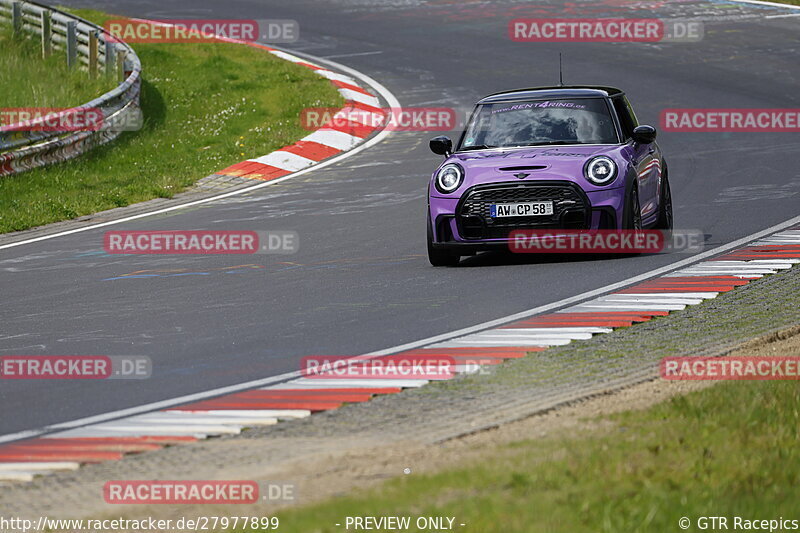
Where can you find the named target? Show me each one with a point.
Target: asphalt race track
(361, 281)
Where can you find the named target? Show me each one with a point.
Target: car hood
(526, 156)
(539, 163)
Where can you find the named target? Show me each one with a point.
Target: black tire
(665, 219)
(633, 212)
(440, 258)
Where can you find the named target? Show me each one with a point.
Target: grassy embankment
(729, 450)
(206, 106)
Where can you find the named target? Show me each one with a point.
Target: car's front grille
(570, 209)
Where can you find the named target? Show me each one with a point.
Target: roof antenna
(560, 72)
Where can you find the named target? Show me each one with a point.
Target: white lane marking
(619, 306)
(782, 16)
(646, 300)
(703, 295)
(653, 298)
(667, 271)
(763, 262)
(333, 138)
(361, 98)
(335, 76)
(166, 417)
(759, 269)
(496, 335)
(737, 272)
(523, 333)
(289, 57)
(488, 343)
(747, 262)
(28, 433)
(706, 273)
(783, 236)
(730, 265)
(383, 91)
(354, 54)
(280, 414)
(35, 465)
(176, 429)
(770, 266)
(94, 431)
(565, 330)
(285, 160)
(764, 3)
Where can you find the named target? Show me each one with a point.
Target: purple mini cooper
(545, 158)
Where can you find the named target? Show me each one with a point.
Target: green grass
(730, 450)
(206, 106)
(38, 82)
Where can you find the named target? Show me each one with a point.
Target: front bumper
(463, 223)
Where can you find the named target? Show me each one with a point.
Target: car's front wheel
(633, 212)
(665, 220)
(440, 258)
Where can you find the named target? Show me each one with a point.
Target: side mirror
(441, 146)
(644, 134)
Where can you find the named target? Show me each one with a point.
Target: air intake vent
(518, 169)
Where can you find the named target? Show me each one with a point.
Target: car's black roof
(567, 91)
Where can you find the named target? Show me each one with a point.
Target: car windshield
(539, 123)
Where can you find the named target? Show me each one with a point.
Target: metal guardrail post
(93, 54)
(16, 17)
(72, 44)
(109, 57)
(121, 65)
(47, 35)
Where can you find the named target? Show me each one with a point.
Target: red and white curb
(328, 141)
(343, 132)
(229, 414)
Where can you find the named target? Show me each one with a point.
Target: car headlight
(600, 170)
(449, 177)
